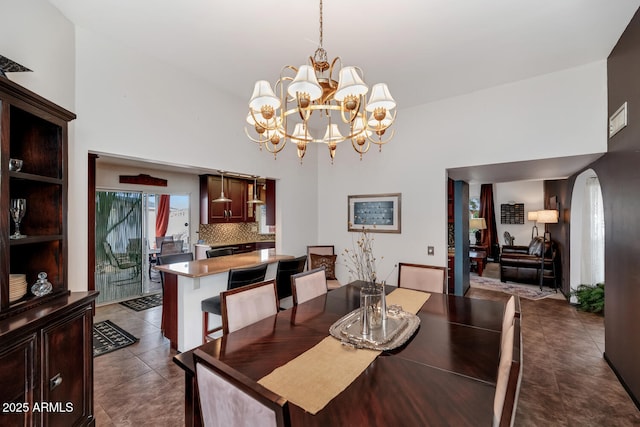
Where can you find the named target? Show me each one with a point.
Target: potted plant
(590, 298)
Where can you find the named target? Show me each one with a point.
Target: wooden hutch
(46, 351)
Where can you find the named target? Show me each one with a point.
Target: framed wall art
(376, 213)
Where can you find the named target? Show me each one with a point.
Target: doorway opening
(129, 229)
(587, 232)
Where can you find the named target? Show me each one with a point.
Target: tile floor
(566, 382)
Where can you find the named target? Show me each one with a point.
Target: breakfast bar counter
(186, 284)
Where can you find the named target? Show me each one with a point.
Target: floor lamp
(548, 216)
(478, 224)
(533, 216)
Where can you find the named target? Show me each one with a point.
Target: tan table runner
(410, 300)
(321, 373)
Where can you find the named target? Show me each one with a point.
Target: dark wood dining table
(445, 374)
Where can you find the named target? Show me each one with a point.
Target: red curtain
(487, 211)
(162, 215)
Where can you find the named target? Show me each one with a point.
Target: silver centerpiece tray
(394, 332)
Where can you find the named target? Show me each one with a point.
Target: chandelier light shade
(282, 113)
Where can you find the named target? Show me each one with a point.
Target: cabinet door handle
(55, 381)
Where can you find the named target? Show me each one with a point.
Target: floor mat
(108, 337)
(143, 303)
(524, 291)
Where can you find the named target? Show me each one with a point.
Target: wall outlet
(430, 250)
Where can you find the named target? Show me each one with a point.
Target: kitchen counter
(186, 284)
(208, 266)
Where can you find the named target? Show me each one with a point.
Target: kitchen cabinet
(46, 341)
(213, 212)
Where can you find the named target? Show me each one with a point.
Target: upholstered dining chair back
(324, 256)
(308, 285)
(237, 278)
(286, 269)
(508, 316)
(229, 398)
(427, 278)
(509, 377)
(319, 250)
(213, 253)
(248, 304)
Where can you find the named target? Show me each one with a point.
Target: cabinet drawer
(67, 374)
(17, 381)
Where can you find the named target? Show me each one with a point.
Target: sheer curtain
(592, 265)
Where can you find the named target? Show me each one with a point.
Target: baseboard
(624, 384)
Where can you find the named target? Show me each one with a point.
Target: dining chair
(421, 277)
(237, 277)
(323, 255)
(508, 316)
(248, 304)
(308, 285)
(213, 253)
(171, 247)
(509, 377)
(160, 239)
(229, 398)
(287, 268)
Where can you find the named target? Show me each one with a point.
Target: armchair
(522, 263)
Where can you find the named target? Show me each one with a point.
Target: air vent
(618, 120)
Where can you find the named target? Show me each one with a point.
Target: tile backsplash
(232, 232)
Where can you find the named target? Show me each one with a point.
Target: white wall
(134, 106)
(553, 115)
(33, 33)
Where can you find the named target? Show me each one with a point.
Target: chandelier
(310, 89)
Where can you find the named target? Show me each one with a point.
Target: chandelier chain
(320, 23)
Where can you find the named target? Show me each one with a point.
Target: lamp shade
(305, 82)
(532, 215)
(380, 97)
(547, 216)
(300, 133)
(349, 83)
(263, 95)
(332, 134)
(477, 224)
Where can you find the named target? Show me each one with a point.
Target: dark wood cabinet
(46, 358)
(215, 212)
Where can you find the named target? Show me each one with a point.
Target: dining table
(444, 374)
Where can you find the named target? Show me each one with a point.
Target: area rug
(108, 337)
(523, 291)
(143, 303)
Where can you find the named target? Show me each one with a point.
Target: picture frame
(375, 213)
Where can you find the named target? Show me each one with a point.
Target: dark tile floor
(566, 381)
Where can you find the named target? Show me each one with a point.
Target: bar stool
(237, 277)
(286, 269)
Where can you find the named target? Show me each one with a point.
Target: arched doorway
(587, 232)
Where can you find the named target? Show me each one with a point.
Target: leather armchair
(522, 263)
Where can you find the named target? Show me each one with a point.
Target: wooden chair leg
(205, 328)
